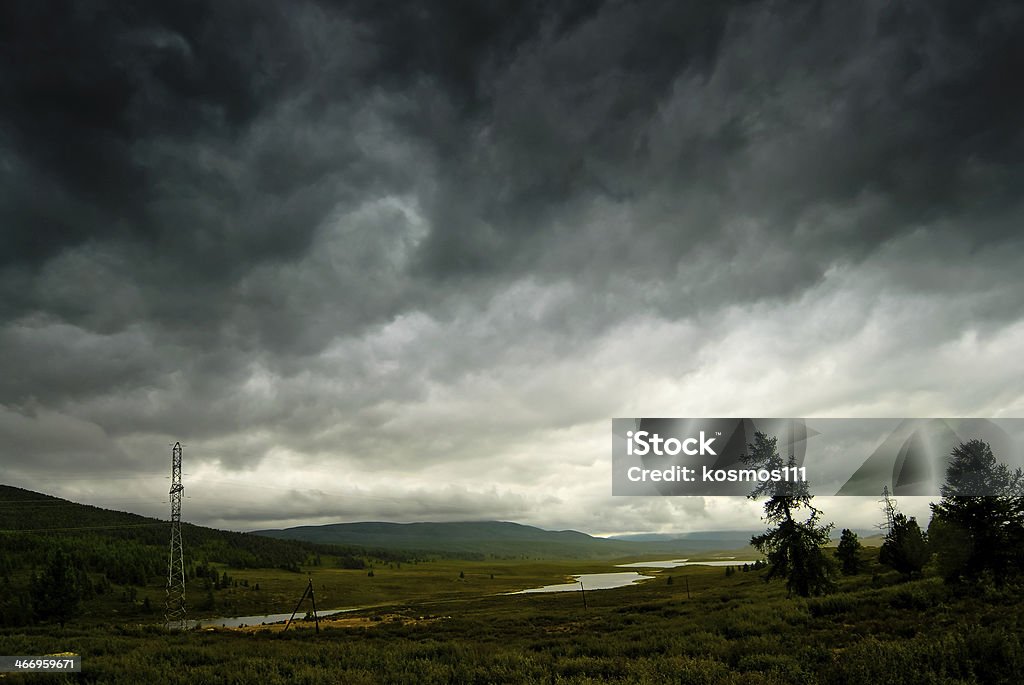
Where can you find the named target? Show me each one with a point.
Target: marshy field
(449, 621)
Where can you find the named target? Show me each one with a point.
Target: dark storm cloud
(85, 84)
(420, 235)
(905, 113)
(86, 88)
(183, 144)
(197, 142)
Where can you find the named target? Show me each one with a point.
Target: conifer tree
(978, 527)
(905, 548)
(794, 546)
(848, 552)
(55, 593)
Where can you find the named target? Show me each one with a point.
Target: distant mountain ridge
(721, 539)
(739, 537)
(486, 538)
(507, 539)
(28, 513)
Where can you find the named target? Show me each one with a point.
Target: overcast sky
(369, 263)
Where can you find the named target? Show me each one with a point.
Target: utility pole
(174, 609)
(584, 593)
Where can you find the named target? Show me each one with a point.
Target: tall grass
(733, 630)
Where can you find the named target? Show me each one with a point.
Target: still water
(673, 563)
(591, 581)
(238, 621)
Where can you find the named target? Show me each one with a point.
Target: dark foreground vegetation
(732, 628)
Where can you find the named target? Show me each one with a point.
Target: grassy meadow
(425, 624)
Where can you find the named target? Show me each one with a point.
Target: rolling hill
(31, 521)
(496, 539)
(28, 519)
(503, 539)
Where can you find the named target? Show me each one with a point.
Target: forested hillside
(114, 553)
(130, 546)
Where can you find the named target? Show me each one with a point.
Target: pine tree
(977, 528)
(209, 602)
(56, 594)
(905, 548)
(794, 546)
(848, 552)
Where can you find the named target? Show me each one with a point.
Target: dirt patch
(335, 622)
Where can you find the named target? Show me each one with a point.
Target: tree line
(972, 538)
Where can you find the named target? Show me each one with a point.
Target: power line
(56, 530)
(50, 504)
(53, 502)
(236, 483)
(65, 475)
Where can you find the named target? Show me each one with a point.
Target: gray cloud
(445, 246)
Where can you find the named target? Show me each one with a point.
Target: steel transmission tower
(174, 612)
(889, 504)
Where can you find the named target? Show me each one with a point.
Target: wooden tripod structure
(312, 599)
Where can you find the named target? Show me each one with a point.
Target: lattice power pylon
(174, 611)
(889, 505)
